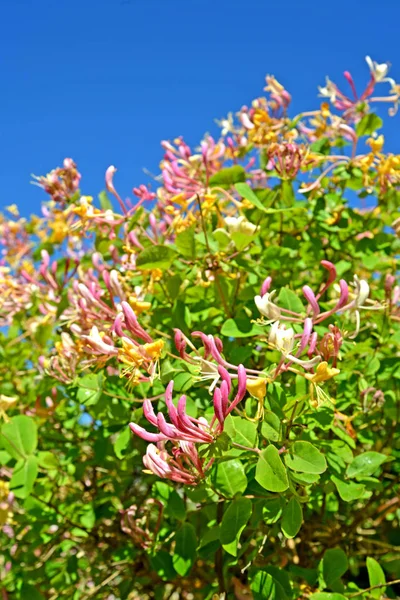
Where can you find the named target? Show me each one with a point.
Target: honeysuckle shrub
(200, 386)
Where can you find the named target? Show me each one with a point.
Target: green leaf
(262, 586)
(272, 510)
(228, 177)
(174, 505)
(376, 577)
(173, 286)
(161, 563)
(288, 299)
(186, 243)
(229, 477)
(105, 202)
(19, 436)
(333, 565)
(292, 518)
(240, 328)
(233, 522)
(24, 476)
(241, 431)
(305, 458)
(271, 426)
(348, 490)
(89, 391)
(122, 442)
(270, 471)
(246, 192)
(156, 257)
(29, 591)
(364, 465)
(368, 124)
(185, 549)
(282, 582)
(48, 460)
(222, 237)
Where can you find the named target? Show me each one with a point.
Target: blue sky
(104, 81)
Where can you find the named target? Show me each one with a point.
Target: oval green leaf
(270, 471)
(292, 518)
(305, 458)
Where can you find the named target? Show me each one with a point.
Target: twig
(219, 560)
(102, 584)
(374, 587)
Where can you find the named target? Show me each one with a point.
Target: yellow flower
(6, 402)
(156, 274)
(130, 354)
(209, 201)
(257, 387)
(60, 230)
(154, 349)
(180, 200)
(171, 210)
(138, 306)
(13, 209)
(376, 145)
(323, 373)
(325, 112)
(5, 511)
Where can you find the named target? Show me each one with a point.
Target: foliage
(244, 320)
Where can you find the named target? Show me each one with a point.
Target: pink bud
(350, 80)
(166, 429)
(206, 342)
(110, 186)
(390, 280)
(332, 272)
(180, 343)
(225, 377)
(311, 299)
(265, 286)
(134, 240)
(97, 260)
(149, 413)
(219, 413)
(172, 412)
(224, 397)
(132, 323)
(308, 324)
(117, 326)
(344, 294)
(241, 391)
(313, 343)
(146, 435)
(153, 225)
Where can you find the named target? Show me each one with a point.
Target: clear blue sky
(104, 81)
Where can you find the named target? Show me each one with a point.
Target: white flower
(329, 91)
(362, 291)
(266, 307)
(282, 338)
(209, 371)
(379, 71)
(96, 342)
(226, 124)
(240, 224)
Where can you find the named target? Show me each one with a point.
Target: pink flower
(182, 427)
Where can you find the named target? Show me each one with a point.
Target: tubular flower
(266, 307)
(183, 466)
(184, 428)
(240, 225)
